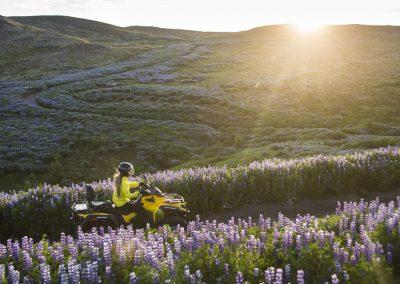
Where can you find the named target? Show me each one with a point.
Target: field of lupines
(358, 244)
(46, 209)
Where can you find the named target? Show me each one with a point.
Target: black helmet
(125, 167)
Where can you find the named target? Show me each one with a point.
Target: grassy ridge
(46, 209)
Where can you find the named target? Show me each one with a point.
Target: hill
(93, 94)
(92, 31)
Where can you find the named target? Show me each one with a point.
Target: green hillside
(78, 96)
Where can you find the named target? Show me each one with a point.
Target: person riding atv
(124, 200)
(150, 206)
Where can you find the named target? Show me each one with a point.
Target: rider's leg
(126, 209)
(138, 208)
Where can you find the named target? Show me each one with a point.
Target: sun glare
(307, 27)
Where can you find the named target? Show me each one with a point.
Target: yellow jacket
(126, 195)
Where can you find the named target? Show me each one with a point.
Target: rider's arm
(133, 184)
(126, 186)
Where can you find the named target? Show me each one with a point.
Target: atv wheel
(174, 221)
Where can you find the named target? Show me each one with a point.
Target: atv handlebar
(144, 191)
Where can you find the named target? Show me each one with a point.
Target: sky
(213, 15)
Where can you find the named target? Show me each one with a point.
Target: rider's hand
(144, 191)
(142, 183)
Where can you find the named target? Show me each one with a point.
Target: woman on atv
(123, 199)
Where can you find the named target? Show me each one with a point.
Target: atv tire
(174, 221)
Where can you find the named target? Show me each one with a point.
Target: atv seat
(105, 206)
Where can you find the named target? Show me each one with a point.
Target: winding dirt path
(318, 208)
(143, 61)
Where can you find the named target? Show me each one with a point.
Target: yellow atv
(161, 208)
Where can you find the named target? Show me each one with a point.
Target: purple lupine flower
(2, 273)
(186, 272)
(170, 262)
(9, 247)
(156, 278)
(151, 258)
(239, 278)
(62, 274)
(15, 250)
(13, 275)
(73, 271)
(278, 276)
(349, 241)
(226, 269)
(91, 270)
(25, 244)
(335, 279)
(27, 260)
(269, 275)
(137, 256)
(389, 257)
(353, 226)
(45, 275)
(300, 277)
(109, 273)
(3, 251)
(199, 276)
(57, 254)
(299, 243)
(307, 238)
(263, 237)
(133, 278)
(251, 242)
(346, 276)
(27, 280)
(177, 246)
(287, 271)
(275, 236)
(256, 272)
(331, 238)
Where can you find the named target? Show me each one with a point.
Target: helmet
(125, 167)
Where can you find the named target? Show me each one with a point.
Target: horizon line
(195, 30)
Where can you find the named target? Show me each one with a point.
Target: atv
(161, 208)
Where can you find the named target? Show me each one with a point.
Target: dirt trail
(143, 61)
(318, 208)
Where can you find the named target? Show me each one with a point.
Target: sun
(307, 27)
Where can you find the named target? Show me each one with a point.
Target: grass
(233, 98)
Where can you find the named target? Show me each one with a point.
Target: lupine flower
(300, 277)
(2, 273)
(132, 278)
(239, 278)
(62, 274)
(279, 276)
(45, 273)
(335, 279)
(187, 273)
(287, 271)
(269, 275)
(93, 253)
(13, 275)
(256, 272)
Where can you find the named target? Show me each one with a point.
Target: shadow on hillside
(317, 208)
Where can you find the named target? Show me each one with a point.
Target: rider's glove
(142, 183)
(144, 191)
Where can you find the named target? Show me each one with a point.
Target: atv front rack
(173, 198)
